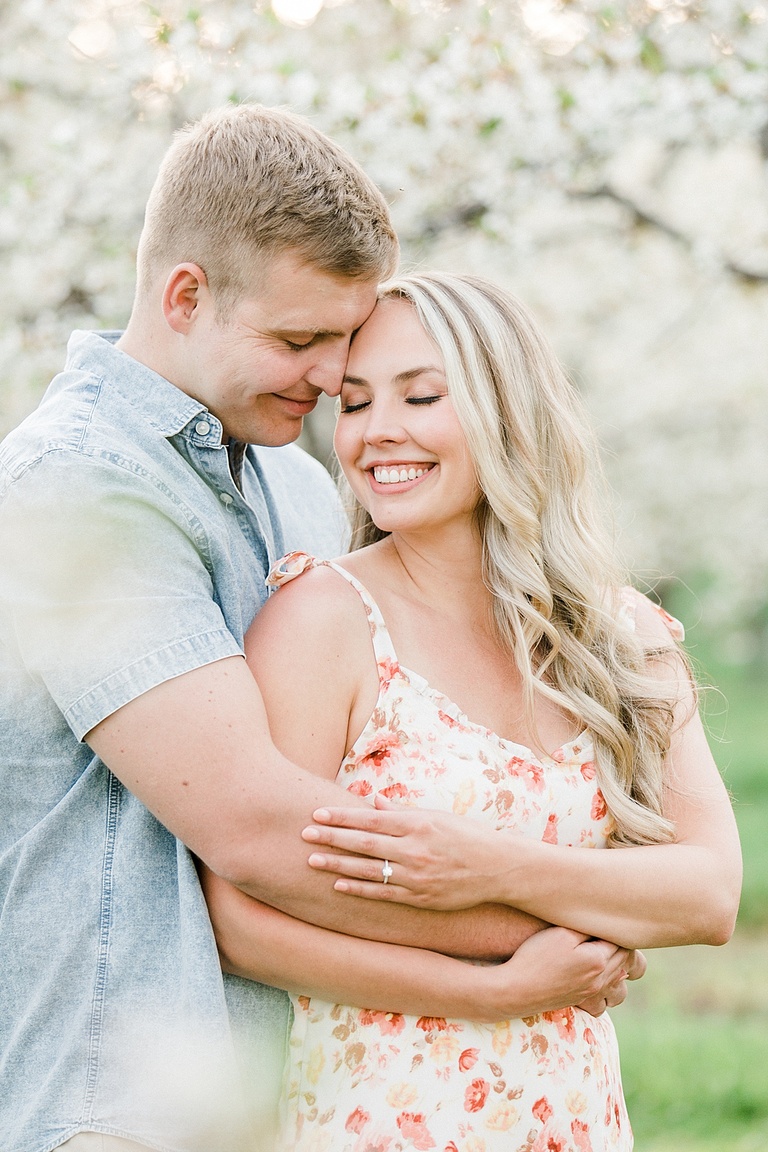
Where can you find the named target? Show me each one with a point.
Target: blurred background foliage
(607, 162)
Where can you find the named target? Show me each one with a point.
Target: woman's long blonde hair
(547, 558)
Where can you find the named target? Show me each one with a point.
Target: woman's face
(398, 438)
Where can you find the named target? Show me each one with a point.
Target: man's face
(261, 370)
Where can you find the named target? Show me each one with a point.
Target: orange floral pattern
(377, 1081)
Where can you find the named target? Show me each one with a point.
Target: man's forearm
(260, 943)
(273, 869)
(488, 932)
(556, 968)
(244, 819)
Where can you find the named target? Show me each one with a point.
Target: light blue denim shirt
(129, 556)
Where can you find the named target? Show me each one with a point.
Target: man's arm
(553, 969)
(197, 751)
(113, 609)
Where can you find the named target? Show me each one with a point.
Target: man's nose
(327, 372)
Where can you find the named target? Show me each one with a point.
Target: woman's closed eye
(353, 406)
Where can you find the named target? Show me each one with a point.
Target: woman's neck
(443, 570)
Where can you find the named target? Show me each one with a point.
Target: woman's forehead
(392, 333)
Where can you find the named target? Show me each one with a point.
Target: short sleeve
(104, 589)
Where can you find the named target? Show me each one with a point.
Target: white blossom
(608, 163)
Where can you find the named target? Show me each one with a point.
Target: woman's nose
(383, 424)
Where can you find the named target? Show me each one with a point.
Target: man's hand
(558, 968)
(615, 993)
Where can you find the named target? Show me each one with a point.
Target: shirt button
(202, 427)
(226, 498)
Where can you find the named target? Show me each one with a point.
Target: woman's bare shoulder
(316, 610)
(652, 623)
(377, 567)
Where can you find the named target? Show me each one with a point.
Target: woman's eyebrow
(412, 373)
(401, 378)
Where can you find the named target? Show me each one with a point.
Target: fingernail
(316, 860)
(341, 886)
(310, 834)
(322, 815)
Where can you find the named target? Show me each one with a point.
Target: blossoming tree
(604, 160)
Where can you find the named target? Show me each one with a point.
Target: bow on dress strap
(291, 565)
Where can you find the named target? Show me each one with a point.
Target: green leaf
(651, 56)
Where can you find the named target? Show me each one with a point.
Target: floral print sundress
(361, 1080)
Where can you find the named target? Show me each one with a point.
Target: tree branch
(642, 216)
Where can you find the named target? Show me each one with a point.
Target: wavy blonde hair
(547, 558)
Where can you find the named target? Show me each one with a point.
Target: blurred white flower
(297, 13)
(607, 163)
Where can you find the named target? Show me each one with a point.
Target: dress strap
(628, 614)
(296, 563)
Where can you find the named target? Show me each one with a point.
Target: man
(139, 522)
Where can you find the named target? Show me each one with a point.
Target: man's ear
(185, 290)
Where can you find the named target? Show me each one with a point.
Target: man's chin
(278, 437)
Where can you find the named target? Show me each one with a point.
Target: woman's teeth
(397, 475)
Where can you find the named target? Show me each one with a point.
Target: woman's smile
(400, 474)
(398, 438)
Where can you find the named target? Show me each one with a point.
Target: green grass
(694, 1032)
(701, 1077)
(694, 1049)
(737, 719)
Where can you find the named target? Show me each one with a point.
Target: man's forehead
(282, 269)
(309, 302)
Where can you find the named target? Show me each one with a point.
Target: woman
(479, 659)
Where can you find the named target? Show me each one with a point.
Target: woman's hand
(437, 860)
(558, 968)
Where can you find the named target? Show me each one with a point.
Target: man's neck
(144, 343)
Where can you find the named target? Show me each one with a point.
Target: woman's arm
(554, 969)
(655, 896)
(310, 650)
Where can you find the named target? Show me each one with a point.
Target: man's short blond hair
(247, 182)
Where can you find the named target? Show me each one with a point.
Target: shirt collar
(167, 408)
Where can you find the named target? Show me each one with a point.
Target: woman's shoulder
(310, 592)
(652, 624)
(329, 604)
